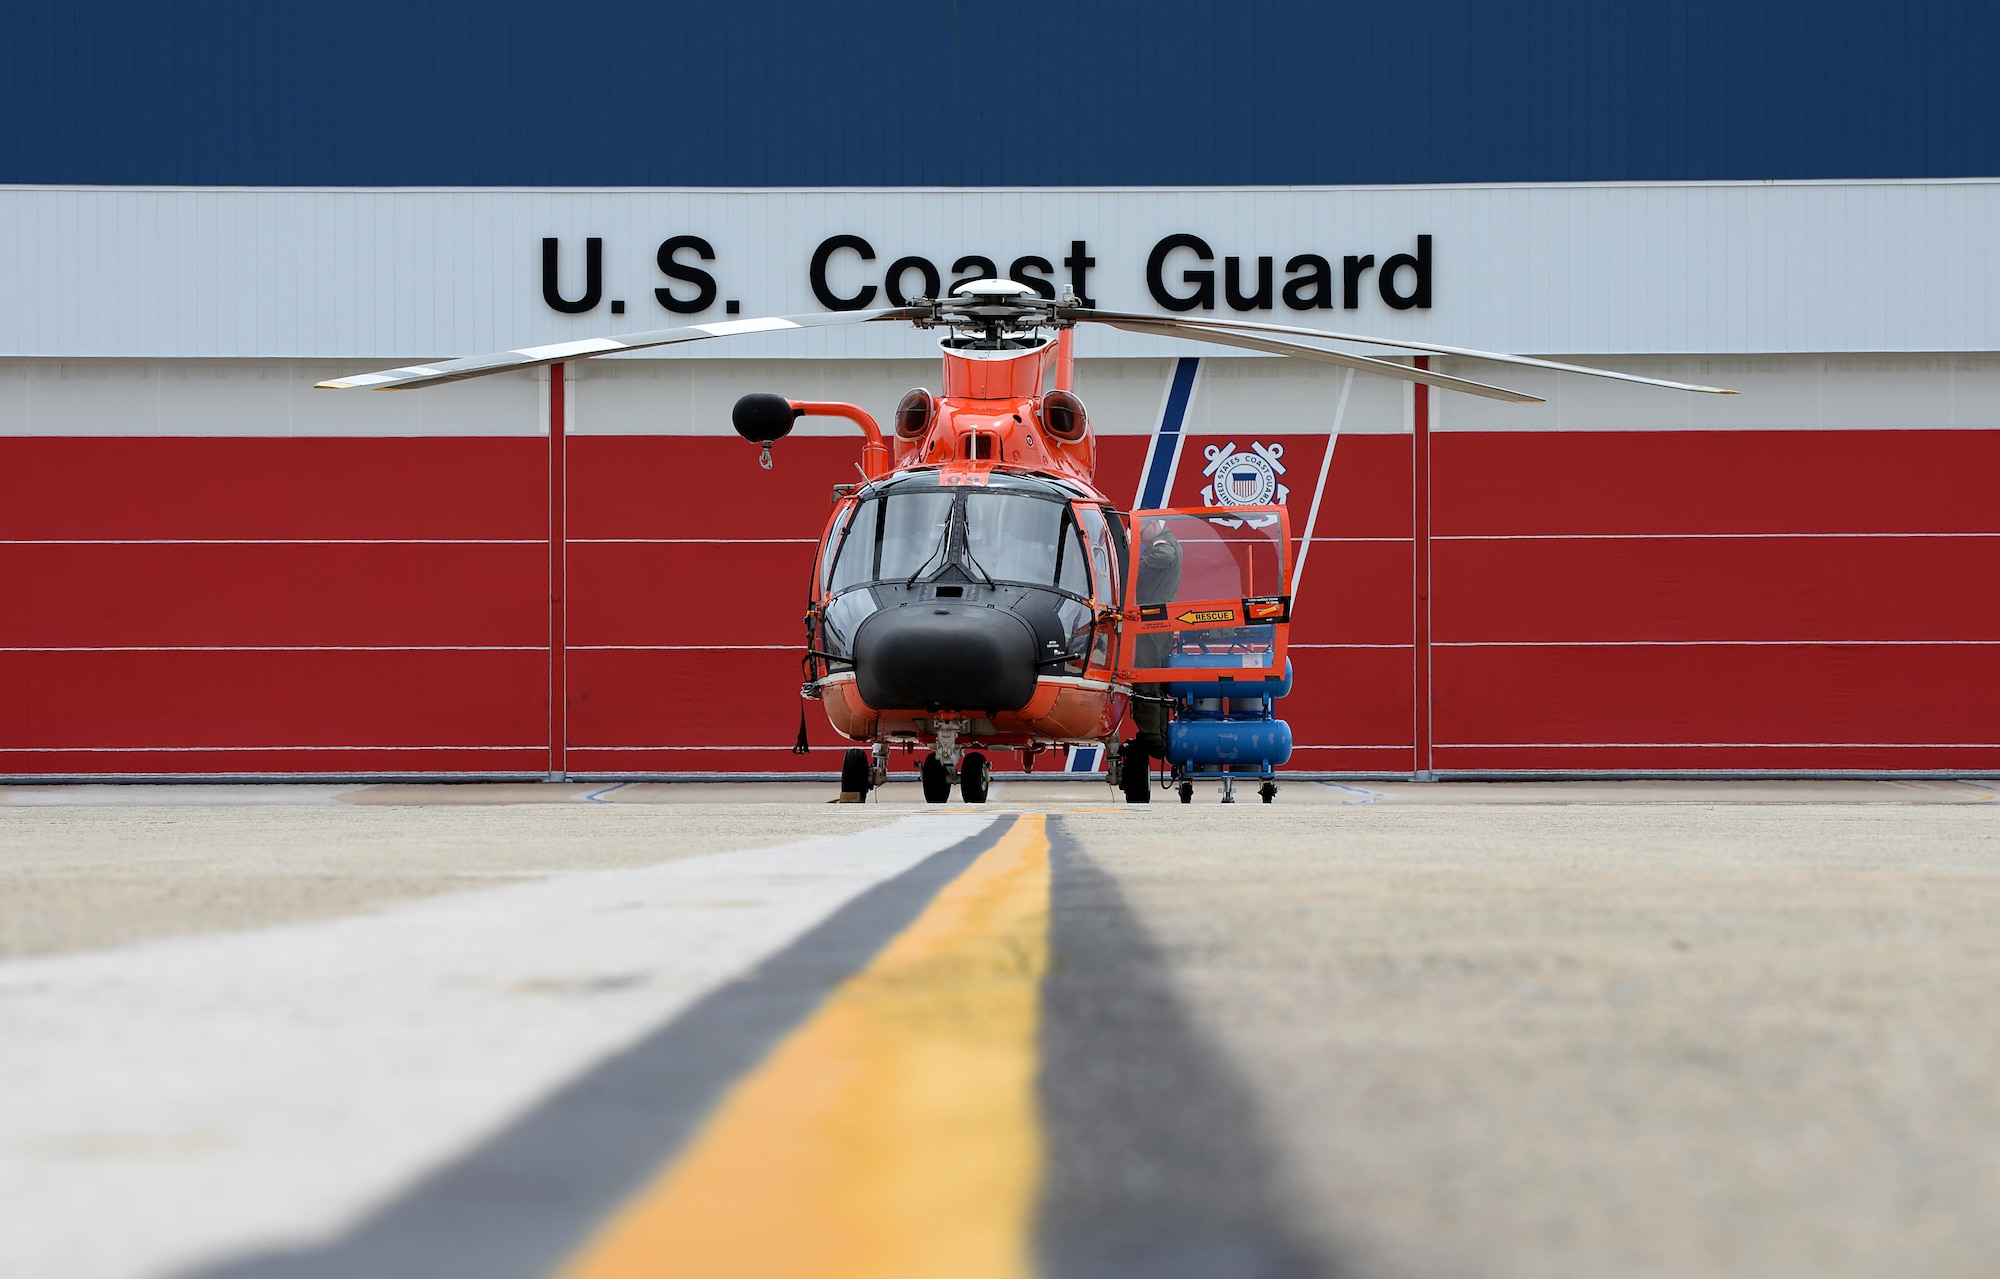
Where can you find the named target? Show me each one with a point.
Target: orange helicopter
(977, 592)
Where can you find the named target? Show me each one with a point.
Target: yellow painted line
(895, 1133)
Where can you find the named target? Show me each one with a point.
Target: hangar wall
(219, 570)
(251, 590)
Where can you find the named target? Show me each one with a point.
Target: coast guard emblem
(1244, 479)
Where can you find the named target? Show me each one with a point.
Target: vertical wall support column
(1420, 473)
(558, 579)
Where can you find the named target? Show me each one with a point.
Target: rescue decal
(1208, 616)
(1191, 615)
(1199, 614)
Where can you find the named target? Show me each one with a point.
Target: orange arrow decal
(1196, 617)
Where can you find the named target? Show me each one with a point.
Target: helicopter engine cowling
(914, 414)
(941, 656)
(1063, 416)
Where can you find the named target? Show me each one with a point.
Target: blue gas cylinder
(1267, 686)
(1246, 743)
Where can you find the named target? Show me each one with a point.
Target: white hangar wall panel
(220, 570)
(1615, 269)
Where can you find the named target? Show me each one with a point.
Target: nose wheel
(975, 776)
(936, 779)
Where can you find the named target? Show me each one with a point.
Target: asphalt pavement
(1649, 1028)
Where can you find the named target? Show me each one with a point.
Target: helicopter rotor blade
(1273, 346)
(529, 357)
(1189, 327)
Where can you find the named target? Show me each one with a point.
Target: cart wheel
(975, 775)
(1187, 792)
(854, 780)
(1268, 791)
(936, 780)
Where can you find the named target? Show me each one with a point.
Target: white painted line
(125, 795)
(1664, 537)
(1319, 489)
(1789, 746)
(273, 541)
(169, 750)
(1788, 643)
(682, 648)
(280, 648)
(574, 748)
(725, 328)
(693, 541)
(171, 1104)
(563, 350)
(1356, 746)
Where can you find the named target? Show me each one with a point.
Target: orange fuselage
(992, 417)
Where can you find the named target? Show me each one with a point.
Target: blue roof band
(904, 93)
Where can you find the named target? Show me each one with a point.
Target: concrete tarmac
(1672, 1028)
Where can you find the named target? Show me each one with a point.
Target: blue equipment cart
(1224, 725)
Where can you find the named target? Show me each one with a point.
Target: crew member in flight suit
(1159, 582)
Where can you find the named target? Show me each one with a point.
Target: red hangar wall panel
(216, 570)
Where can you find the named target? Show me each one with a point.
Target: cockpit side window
(1073, 559)
(1102, 553)
(1120, 548)
(854, 561)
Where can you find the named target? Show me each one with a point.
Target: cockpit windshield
(990, 535)
(889, 538)
(1012, 538)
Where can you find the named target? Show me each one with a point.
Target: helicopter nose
(945, 657)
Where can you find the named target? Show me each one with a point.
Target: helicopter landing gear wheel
(975, 775)
(1268, 791)
(855, 782)
(936, 779)
(1187, 792)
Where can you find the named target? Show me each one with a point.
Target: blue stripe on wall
(786, 93)
(1166, 445)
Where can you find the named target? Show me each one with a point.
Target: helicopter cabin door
(1208, 590)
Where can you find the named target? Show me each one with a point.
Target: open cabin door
(1207, 591)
